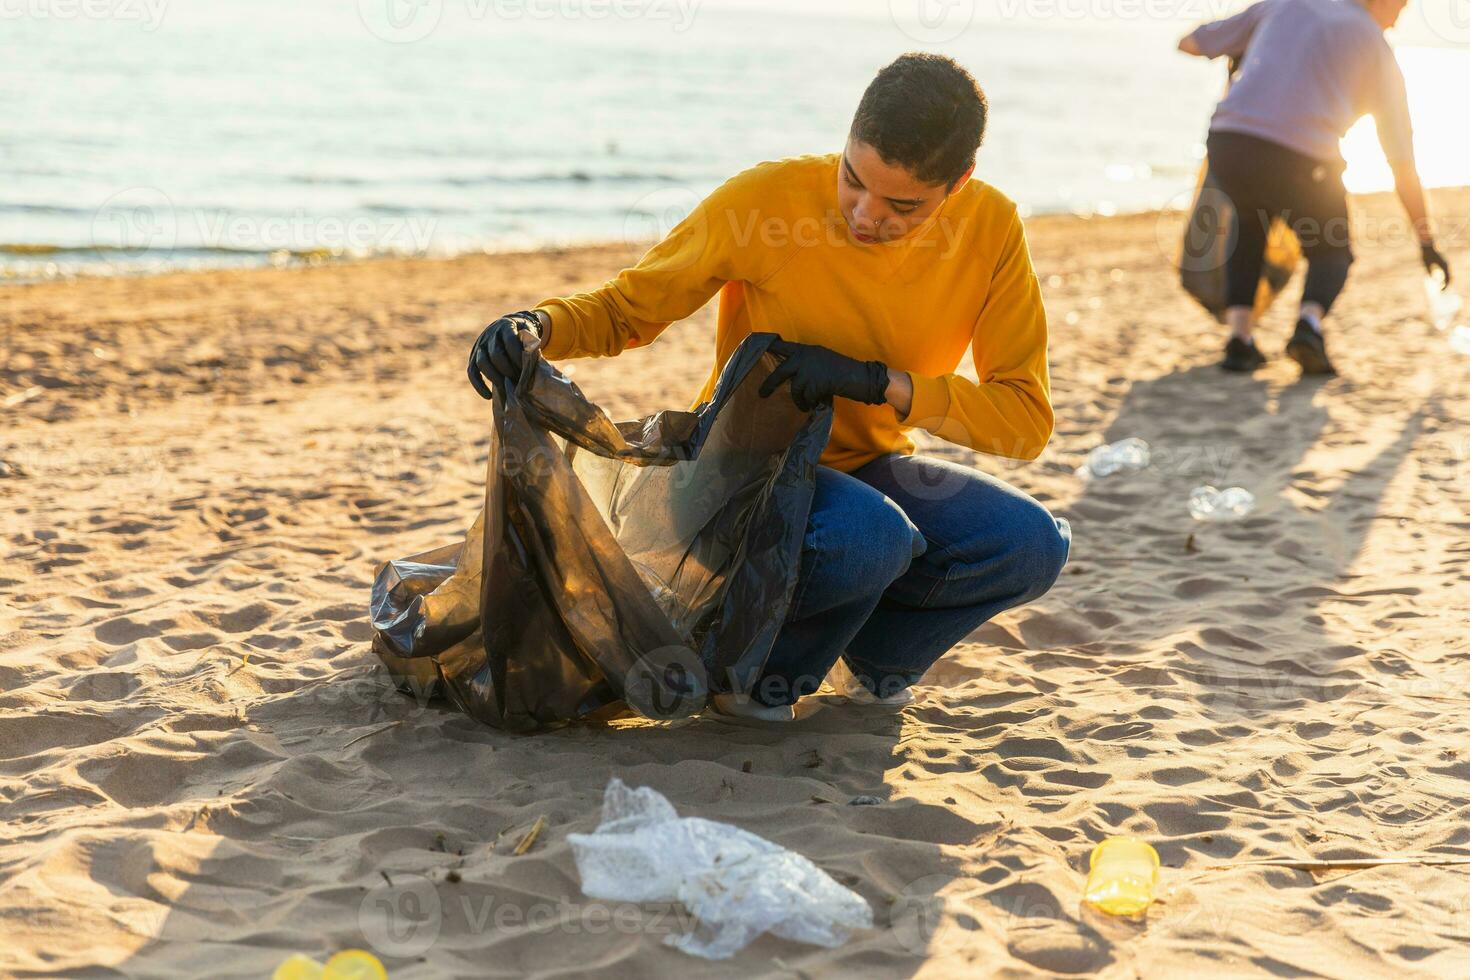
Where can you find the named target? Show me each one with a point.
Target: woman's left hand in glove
(818, 375)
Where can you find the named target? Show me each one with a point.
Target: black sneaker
(1308, 349)
(1242, 355)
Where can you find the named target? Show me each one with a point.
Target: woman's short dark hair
(924, 113)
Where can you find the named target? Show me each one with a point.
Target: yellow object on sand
(298, 967)
(350, 964)
(354, 964)
(1122, 876)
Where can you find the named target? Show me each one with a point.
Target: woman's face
(882, 202)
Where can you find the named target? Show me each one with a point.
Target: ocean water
(144, 134)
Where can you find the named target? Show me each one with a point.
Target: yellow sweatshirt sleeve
(670, 282)
(1009, 412)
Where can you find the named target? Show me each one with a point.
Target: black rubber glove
(1433, 260)
(498, 350)
(818, 375)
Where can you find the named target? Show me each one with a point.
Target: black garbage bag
(1209, 240)
(649, 562)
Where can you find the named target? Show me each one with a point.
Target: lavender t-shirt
(1309, 70)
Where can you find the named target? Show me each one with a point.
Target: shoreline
(248, 260)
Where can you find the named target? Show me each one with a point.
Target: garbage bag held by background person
(1210, 235)
(645, 562)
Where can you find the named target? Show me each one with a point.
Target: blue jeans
(903, 558)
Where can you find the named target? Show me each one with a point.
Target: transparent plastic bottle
(1125, 455)
(1210, 504)
(1460, 339)
(1131, 454)
(1122, 875)
(1444, 304)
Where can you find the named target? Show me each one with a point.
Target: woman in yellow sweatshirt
(878, 266)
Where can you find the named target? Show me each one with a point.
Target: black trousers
(1265, 180)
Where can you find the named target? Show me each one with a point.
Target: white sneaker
(857, 694)
(740, 706)
(851, 688)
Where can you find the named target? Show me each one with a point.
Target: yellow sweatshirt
(773, 243)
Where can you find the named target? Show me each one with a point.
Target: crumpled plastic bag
(736, 884)
(649, 562)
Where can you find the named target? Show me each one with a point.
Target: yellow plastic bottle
(354, 964)
(298, 966)
(1123, 872)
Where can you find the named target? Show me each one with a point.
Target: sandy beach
(203, 767)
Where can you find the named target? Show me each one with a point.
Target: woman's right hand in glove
(1433, 260)
(499, 350)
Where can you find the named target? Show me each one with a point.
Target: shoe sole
(857, 694)
(1311, 359)
(746, 712)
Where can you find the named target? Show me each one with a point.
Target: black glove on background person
(818, 375)
(498, 350)
(1433, 260)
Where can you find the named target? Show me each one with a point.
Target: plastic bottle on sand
(1231, 504)
(1123, 456)
(1122, 875)
(1460, 339)
(1444, 304)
